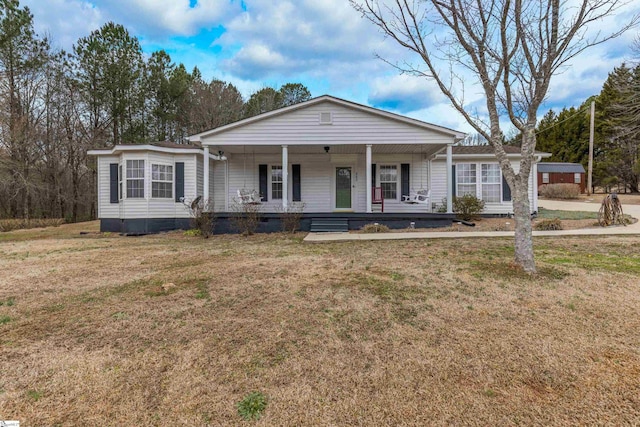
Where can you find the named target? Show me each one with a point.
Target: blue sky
(323, 44)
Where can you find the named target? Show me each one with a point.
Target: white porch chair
(417, 197)
(249, 196)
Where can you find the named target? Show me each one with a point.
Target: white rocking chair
(420, 196)
(249, 197)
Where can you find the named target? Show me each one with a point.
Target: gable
(328, 121)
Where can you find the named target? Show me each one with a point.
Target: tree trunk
(523, 230)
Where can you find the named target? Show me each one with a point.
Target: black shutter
(180, 181)
(453, 180)
(295, 177)
(264, 191)
(506, 191)
(113, 182)
(373, 175)
(404, 179)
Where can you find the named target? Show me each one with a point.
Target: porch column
(368, 169)
(285, 177)
(205, 191)
(449, 179)
(534, 171)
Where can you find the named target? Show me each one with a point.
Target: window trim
(127, 179)
(172, 181)
(379, 182)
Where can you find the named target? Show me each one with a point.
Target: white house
(339, 159)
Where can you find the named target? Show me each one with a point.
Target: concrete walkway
(589, 206)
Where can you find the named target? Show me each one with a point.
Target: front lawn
(172, 330)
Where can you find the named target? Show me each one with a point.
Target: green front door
(343, 188)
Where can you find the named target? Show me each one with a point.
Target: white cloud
(404, 93)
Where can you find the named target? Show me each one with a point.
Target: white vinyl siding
(348, 126)
(316, 179)
(148, 206)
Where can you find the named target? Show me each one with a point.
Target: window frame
(273, 167)
(498, 182)
(128, 179)
(577, 178)
(545, 178)
(397, 181)
(163, 181)
(474, 175)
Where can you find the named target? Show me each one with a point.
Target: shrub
(245, 216)
(559, 191)
(291, 216)
(19, 223)
(252, 406)
(467, 207)
(443, 207)
(375, 228)
(202, 217)
(549, 225)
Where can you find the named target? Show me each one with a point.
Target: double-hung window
(389, 181)
(135, 179)
(276, 182)
(466, 179)
(162, 181)
(545, 177)
(491, 183)
(577, 177)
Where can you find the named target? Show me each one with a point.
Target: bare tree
(508, 48)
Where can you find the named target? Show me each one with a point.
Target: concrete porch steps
(329, 225)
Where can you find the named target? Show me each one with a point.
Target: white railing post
(205, 190)
(449, 179)
(285, 177)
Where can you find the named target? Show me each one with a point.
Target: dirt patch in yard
(170, 330)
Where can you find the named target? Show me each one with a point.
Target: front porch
(272, 223)
(330, 179)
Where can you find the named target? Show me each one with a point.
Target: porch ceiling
(425, 149)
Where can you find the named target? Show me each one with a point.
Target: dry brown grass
(170, 330)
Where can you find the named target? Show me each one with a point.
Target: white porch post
(205, 190)
(449, 179)
(285, 177)
(368, 169)
(534, 171)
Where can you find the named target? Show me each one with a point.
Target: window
(135, 179)
(120, 182)
(577, 178)
(466, 179)
(276, 182)
(491, 183)
(162, 181)
(545, 177)
(389, 182)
